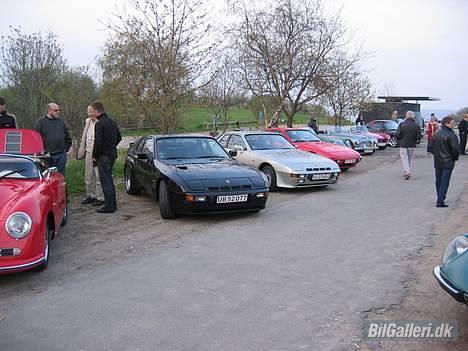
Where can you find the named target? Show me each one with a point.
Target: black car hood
(214, 170)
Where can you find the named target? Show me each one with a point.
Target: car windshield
(189, 148)
(359, 129)
(17, 168)
(298, 136)
(268, 142)
(389, 125)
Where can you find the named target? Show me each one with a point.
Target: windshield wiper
(176, 158)
(19, 171)
(210, 156)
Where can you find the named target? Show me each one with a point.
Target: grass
(76, 169)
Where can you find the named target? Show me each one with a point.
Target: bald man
(55, 135)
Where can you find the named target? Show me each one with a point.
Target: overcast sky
(419, 47)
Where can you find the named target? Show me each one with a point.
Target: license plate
(368, 151)
(349, 161)
(321, 176)
(225, 199)
(382, 144)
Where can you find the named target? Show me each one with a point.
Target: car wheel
(45, 263)
(271, 175)
(393, 142)
(131, 186)
(164, 202)
(382, 147)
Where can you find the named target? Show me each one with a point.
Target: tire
(164, 202)
(45, 263)
(131, 186)
(271, 175)
(393, 142)
(382, 147)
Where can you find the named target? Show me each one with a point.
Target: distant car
(190, 174)
(382, 138)
(452, 273)
(33, 202)
(361, 143)
(282, 163)
(385, 126)
(305, 140)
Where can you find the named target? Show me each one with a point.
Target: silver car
(282, 163)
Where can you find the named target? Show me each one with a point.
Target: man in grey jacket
(408, 135)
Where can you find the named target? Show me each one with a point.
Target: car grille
(230, 188)
(318, 169)
(6, 252)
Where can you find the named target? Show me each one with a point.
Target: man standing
(56, 137)
(445, 148)
(359, 120)
(107, 137)
(313, 124)
(94, 193)
(432, 127)
(408, 134)
(395, 116)
(463, 131)
(7, 120)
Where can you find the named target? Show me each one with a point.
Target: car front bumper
(284, 180)
(17, 265)
(458, 295)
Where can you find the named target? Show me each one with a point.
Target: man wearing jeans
(106, 138)
(408, 135)
(446, 149)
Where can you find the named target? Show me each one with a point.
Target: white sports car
(282, 163)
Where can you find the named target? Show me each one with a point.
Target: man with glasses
(56, 137)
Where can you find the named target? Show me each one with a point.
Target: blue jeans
(105, 165)
(442, 176)
(59, 161)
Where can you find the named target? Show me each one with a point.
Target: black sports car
(192, 174)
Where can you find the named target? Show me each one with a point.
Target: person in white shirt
(94, 195)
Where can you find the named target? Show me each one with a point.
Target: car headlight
(18, 225)
(455, 248)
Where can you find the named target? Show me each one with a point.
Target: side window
(235, 140)
(223, 141)
(148, 147)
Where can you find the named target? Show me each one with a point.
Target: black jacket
(463, 127)
(106, 137)
(445, 148)
(7, 120)
(408, 133)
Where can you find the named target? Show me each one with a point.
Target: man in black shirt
(408, 135)
(56, 137)
(106, 138)
(7, 120)
(462, 132)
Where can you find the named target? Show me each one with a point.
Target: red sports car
(305, 140)
(33, 201)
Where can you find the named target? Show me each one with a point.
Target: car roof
(249, 132)
(168, 136)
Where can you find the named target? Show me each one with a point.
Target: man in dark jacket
(445, 148)
(7, 120)
(408, 135)
(463, 131)
(106, 138)
(56, 137)
(313, 124)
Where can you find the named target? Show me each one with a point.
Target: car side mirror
(131, 144)
(142, 156)
(232, 153)
(238, 148)
(49, 172)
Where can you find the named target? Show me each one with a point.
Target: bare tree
(158, 54)
(286, 50)
(31, 66)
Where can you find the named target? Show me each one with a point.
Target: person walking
(408, 135)
(94, 195)
(56, 137)
(445, 148)
(462, 132)
(359, 120)
(432, 127)
(106, 138)
(7, 120)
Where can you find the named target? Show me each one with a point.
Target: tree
(286, 50)
(31, 66)
(158, 54)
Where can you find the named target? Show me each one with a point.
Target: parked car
(452, 274)
(282, 163)
(305, 140)
(385, 126)
(361, 143)
(382, 138)
(191, 174)
(33, 202)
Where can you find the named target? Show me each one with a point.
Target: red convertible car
(305, 140)
(33, 202)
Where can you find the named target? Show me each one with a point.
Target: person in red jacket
(432, 127)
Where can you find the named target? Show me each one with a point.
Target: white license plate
(321, 176)
(382, 144)
(368, 151)
(225, 199)
(349, 161)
